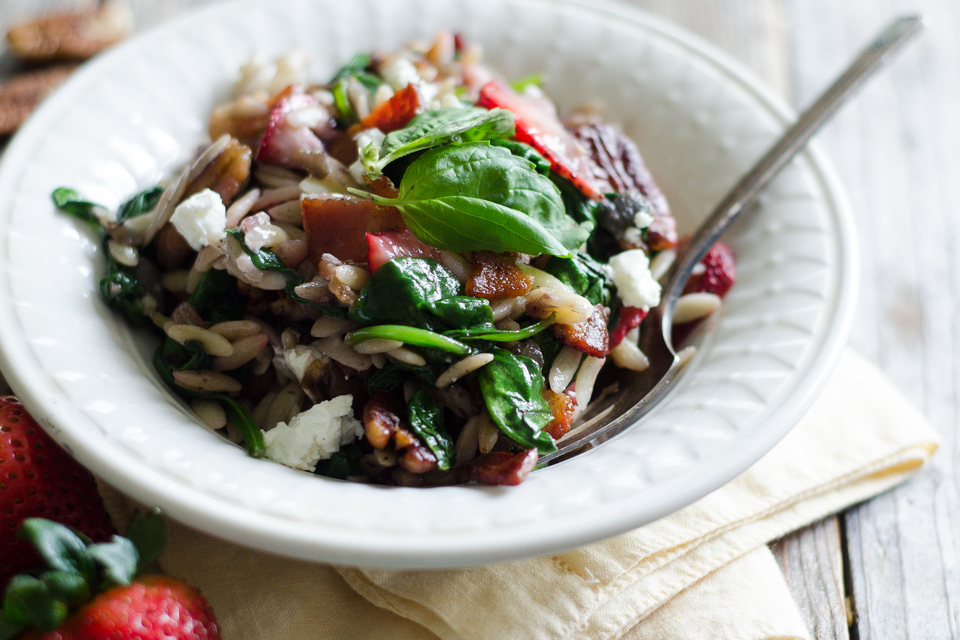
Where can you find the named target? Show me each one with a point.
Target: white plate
(134, 115)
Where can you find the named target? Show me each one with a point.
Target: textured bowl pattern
(134, 116)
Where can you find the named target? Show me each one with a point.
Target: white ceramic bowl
(134, 115)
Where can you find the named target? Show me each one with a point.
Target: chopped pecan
(416, 458)
(381, 419)
(226, 174)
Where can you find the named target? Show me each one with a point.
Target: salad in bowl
(413, 273)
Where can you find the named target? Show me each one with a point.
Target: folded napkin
(702, 572)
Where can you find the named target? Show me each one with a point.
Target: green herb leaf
(120, 287)
(437, 127)
(117, 561)
(343, 463)
(512, 387)
(525, 151)
(29, 602)
(584, 275)
(535, 80)
(407, 335)
(419, 292)
(71, 202)
(355, 68)
(502, 336)
(425, 417)
(139, 204)
(216, 298)
(477, 196)
(148, 533)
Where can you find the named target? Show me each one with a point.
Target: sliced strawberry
(589, 336)
(393, 244)
(496, 276)
(630, 317)
(719, 272)
(338, 225)
(396, 112)
(538, 125)
(285, 136)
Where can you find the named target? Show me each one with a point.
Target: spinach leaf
(216, 298)
(120, 287)
(343, 463)
(477, 196)
(425, 416)
(436, 127)
(355, 68)
(408, 335)
(584, 275)
(512, 387)
(267, 260)
(69, 201)
(139, 204)
(389, 378)
(419, 292)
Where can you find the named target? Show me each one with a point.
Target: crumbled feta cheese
(642, 220)
(201, 219)
(398, 72)
(314, 435)
(630, 271)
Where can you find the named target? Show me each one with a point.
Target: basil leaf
(512, 387)
(139, 204)
(425, 417)
(477, 196)
(419, 292)
(436, 127)
(69, 201)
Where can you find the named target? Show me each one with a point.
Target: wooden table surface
(889, 568)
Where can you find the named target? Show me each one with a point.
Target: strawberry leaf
(148, 533)
(60, 547)
(30, 602)
(69, 588)
(117, 561)
(9, 630)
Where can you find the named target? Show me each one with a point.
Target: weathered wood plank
(896, 151)
(812, 563)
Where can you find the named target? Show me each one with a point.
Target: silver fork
(639, 393)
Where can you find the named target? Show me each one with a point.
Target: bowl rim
(301, 539)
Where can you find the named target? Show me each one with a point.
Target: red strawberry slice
(381, 247)
(39, 479)
(719, 272)
(538, 125)
(630, 317)
(285, 136)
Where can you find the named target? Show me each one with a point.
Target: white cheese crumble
(201, 219)
(636, 287)
(399, 72)
(314, 435)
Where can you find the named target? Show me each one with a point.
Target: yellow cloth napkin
(702, 572)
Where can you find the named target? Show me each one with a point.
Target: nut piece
(71, 36)
(20, 95)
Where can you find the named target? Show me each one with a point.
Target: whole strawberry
(39, 480)
(55, 603)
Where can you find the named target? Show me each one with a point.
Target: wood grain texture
(897, 151)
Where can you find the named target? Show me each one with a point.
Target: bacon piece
(562, 406)
(590, 336)
(338, 225)
(386, 245)
(502, 468)
(496, 276)
(396, 112)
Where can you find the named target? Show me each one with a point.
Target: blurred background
(888, 568)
